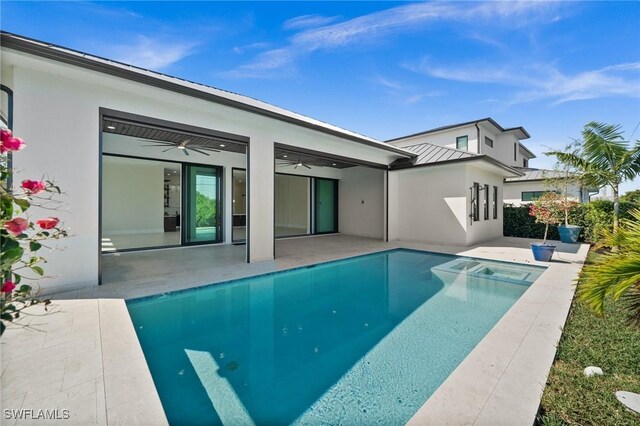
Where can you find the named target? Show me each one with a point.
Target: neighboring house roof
(428, 154)
(189, 88)
(523, 133)
(530, 174)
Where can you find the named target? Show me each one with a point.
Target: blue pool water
(358, 341)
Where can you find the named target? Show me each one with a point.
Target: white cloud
(253, 46)
(308, 21)
(152, 54)
(405, 18)
(543, 81)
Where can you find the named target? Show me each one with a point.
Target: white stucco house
(150, 161)
(485, 137)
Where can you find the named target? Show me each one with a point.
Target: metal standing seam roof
(190, 88)
(535, 174)
(428, 153)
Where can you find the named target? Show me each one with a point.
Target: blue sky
(383, 69)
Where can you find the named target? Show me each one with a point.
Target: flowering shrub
(21, 237)
(547, 209)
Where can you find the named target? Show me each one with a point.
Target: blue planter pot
(542, 252)
(569, 234)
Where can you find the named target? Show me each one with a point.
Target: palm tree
(616, 274)
(604, 158)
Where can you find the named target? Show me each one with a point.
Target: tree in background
(604, 158)
(205, 211)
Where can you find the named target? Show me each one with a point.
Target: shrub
(593, 217)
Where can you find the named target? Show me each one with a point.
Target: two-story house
(485, 137)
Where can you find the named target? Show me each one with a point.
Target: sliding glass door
(202, 213)
(326, 206)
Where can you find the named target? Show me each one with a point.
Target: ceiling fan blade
(304, 165)
(155, 141)
(169, 149)
(295, 166)
(199, 151)
(185, 152)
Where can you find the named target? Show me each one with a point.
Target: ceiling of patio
(154, 133)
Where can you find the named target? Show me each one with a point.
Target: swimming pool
(356, 341)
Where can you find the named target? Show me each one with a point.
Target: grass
(610, 343)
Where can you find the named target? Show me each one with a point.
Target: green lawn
(609, 343)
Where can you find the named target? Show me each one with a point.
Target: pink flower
(16, 226)
(7, 287)
(9, 143)
(48, 222)
(33, 186)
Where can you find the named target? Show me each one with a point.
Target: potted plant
(564, 178)
(546, 209)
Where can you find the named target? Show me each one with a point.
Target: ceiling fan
(296, 163)
(182, 146)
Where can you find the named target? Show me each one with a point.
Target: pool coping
(502, 379)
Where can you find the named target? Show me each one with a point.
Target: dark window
(495, 202)
(486, 202)
(515, 152)
(475, 202)
(462, 142)
(532, 195)
(525, 162)
(488, 141)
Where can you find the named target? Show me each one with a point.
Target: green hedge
(593, 217)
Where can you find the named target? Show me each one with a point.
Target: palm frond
(615, 274)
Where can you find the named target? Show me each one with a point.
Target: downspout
(478, 139)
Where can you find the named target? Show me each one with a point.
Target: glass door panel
(326, 203)
(239, 208)
(201, 204)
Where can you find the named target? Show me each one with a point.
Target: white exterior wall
(444, 138)
(361, 203)
(484, 230)
(513, 191)
(424, 212)
(56, 110)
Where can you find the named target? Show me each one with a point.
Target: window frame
(458, 138)
(475, 206)
(486, 201)
(495, 202)
(490, 145)
(540, 194)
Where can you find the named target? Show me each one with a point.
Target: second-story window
(462, 142)
(525, 162)
(515, 152)
(488, 141)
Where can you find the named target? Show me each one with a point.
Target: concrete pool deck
(85, 357)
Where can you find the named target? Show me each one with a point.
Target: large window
(495, 202)
(141, 203)
(486, 202)
(532, 195)
(515, 152)
(462, 143)
(326, 202)
(525, 162)
(202, 211)
(292, 205)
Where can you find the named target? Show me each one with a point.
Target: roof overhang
(520, 132)
(490, 162)
(525, 149)
(151, 78)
